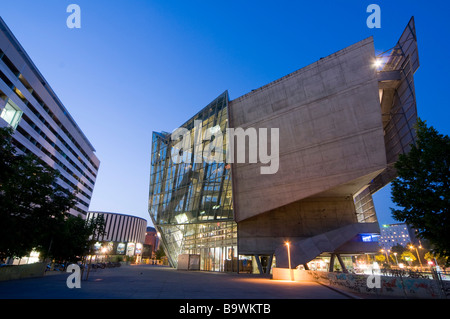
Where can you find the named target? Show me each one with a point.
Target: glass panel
(190, 202)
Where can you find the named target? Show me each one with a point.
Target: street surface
(159, 282)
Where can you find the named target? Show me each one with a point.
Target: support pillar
(331, 266)
(258, 263)
(341, 262)
(269, 264)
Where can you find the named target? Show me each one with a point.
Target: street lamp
(395, 254)
(289, 260)
(387, 258)
(420, 261)
(378, 63)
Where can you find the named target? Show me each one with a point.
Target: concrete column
(258, 263)
(341, 263)
(269, 264)
(330, 269)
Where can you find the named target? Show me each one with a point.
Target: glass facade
(190, 200)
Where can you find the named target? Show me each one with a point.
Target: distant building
(151, 240)
(393, 234)
(125, 234)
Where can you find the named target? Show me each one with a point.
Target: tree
(380, 258)
(96, 228)
(396, 251)
(435, 258)
(32, 204)
(397, 248)
(73, 238)
(408, 256)
(160, 253)
(422, 189)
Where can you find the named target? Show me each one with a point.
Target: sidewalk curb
(345, 293)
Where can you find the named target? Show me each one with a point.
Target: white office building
(393, 234)
(41, 123)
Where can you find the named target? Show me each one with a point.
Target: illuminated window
(11, 114)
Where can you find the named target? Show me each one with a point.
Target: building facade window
(12, 114)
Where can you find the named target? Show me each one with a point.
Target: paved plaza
(159, 282)
(180, 294)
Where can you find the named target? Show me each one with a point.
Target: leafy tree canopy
(422, 189)
(34, 208)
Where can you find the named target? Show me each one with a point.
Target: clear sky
(139, 66)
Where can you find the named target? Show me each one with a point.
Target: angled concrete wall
(262, 234)
(330, 127)
(22, 271)
(331, 145)
(303, 251)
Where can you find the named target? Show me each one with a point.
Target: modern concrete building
(341, 123)
(41, 123)
(125, 234)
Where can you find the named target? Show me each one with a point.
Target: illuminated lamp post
(289, 260)
(387, 258)
(417, 252)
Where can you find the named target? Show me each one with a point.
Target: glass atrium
(190, 200)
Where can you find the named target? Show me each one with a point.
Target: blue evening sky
(139, 66)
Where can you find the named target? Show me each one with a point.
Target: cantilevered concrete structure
(342, 122)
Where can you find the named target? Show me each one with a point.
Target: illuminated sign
(368, 238)
(130, 249)
(97, 246)
(109, 247)
(121, 249)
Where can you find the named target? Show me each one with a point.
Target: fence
(389, 284)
